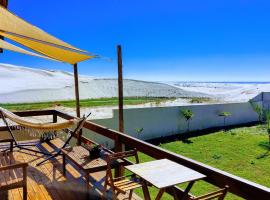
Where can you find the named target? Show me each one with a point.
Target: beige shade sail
(11, 23)
(11, 47)
(20, 31)
(49, 50)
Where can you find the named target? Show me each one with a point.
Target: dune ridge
(23, 84)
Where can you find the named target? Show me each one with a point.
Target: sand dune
(22, 84)
(226, 92)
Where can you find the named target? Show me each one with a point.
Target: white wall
(164, 121)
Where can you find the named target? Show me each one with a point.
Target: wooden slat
(47, 181)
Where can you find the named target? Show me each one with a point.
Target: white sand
(21, 84)
(226, 92)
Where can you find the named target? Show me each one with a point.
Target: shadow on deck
(47, 181)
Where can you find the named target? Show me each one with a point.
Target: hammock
(43, 127)
(23, 124)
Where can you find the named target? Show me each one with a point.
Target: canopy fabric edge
(8, 46)
(45, 42)
(10, 22)
(56, 53)
(22, 32)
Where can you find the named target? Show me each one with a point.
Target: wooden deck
(47, 181)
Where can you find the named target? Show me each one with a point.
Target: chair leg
(87, 185)
(11, 146)
(130, 194)
(145, 191)
(114, 195)
(224, 194)
(25, 192)
(24, 183)
(4, 195)
(64, 164)
(104, 191)
(160, 193)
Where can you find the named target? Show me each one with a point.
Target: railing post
(54, 118)
(119, 171)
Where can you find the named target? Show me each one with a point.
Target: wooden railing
(238, 186)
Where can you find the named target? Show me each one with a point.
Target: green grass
(83, 103)
(200, 100)
(240, 151)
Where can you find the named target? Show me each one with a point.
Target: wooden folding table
(163, 174)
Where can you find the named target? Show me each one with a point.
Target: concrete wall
(164, 121)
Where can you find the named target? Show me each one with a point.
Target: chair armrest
(121, 177)
(6, 140)
(212, 195)
(14, 166)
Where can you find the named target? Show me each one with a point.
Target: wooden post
(75, 68)
(118, 144)
(120, 90)
(3, 3)
(54, 118)
(77, 95)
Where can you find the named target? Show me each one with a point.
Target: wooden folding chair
(219, 194)
(17, 175)
(123, 184)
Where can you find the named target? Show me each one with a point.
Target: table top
(164, 173)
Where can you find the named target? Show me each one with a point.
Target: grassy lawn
(83, 103)
(239, 151)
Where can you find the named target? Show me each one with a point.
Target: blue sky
(162, 40)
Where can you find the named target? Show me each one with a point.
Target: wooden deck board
(47, 181)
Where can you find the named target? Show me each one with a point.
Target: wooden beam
(120, 89)
(119, 147)
(4, 3)
(76, 80)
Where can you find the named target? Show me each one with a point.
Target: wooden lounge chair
(12, 175)
(219, 194)
(123, 184)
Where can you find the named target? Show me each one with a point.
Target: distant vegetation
(188, 115)
(258, 109)
(224, 114)
(83, 103)
(263, 116)
(199, 99)
(97, 102)
(267, 116)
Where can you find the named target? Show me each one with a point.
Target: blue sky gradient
(163, 40)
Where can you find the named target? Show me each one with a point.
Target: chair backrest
(114, 157)
(219, 194)
(125, 154)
